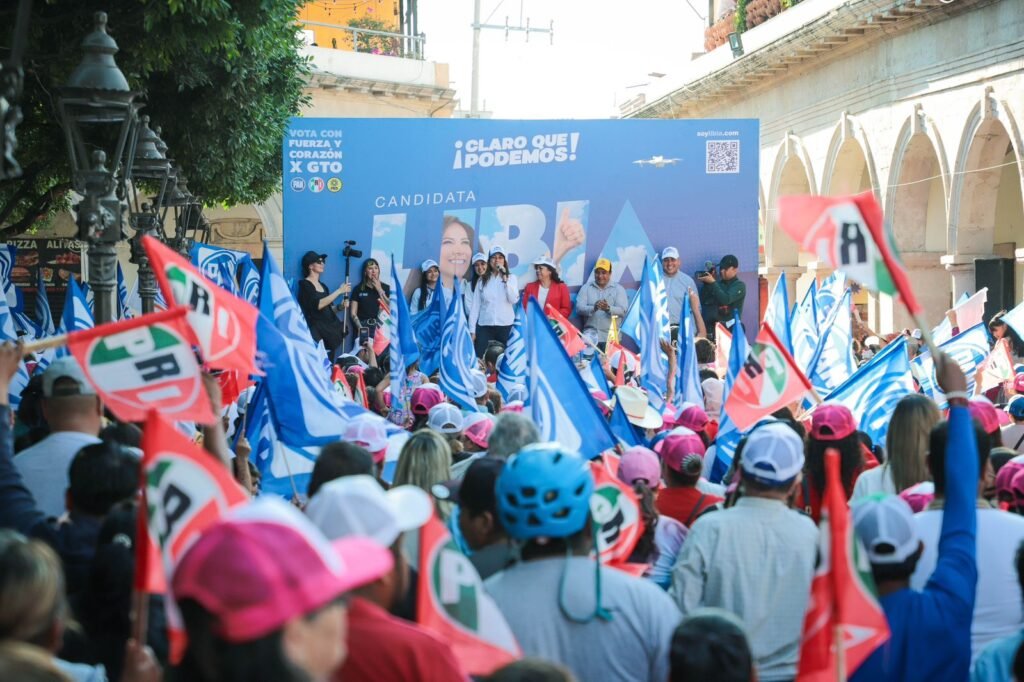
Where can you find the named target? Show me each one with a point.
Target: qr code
(723, 156)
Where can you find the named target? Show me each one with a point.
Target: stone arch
(791, 174)
(989, 155)
(271, 213)
(850, 164)
(916, 213)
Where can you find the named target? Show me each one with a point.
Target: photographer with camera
(315, 300)
(720, 298)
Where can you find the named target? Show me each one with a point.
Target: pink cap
(514, 406)
(368, 431)
(266, 563)
(1018, 383)
(640, 463)
(1004, 479)
(676, 447)
(477, 429)
(984, 412)
(355, 369)
(1017, 488)
(693, 417)
(919, 496)
(425, 397)
(832, 421)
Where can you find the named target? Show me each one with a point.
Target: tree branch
(40, 207)
(27, 180)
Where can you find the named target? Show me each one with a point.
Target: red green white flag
(224, 324)
(615, 510)
(451, 602)
(142, 364)
(567, 333)
(769, 380)
(844, 623)
(998, 368)
(848, 234)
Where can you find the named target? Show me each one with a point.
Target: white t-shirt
(997, 604)
(44, 468)
(877, 480)
(1011, 434)
(542, 295)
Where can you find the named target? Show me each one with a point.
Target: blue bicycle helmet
(544, 491)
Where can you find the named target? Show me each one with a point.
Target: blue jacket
(931, 629)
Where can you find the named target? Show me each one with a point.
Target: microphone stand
(344, 300)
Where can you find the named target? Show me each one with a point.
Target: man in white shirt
(1013, 433)
(757, 558)
(74, 412)
(677, 286)
(997, 602)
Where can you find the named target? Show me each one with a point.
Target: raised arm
(17, 506)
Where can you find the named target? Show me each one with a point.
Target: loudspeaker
(997, 275)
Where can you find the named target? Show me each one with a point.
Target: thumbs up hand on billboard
(568, 235)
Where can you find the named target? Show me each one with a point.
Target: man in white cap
(73, 412)
(757, 558)
(677, 286)
(382, 647)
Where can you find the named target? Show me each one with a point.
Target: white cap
(427, 264)
(357, 505)
(445, 418)
(66, 368)
(670, 252)
(478, 383)
(517, 392)
(479, 257)
(885, 524)
(544, 260)
(713, 389)
(773, 454)
(367, 431)
(496, 249)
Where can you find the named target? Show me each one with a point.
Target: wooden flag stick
(140, 616)
(43, 344)
(840, 654)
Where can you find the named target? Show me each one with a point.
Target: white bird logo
(658, 161)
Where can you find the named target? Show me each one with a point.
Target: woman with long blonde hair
(425, 461)
(906, 445)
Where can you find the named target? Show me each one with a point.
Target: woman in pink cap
(832, 427)
(262, 594)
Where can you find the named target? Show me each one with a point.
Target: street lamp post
(97, 111)
(149, 168)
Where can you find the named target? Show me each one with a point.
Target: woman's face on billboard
(456, 252)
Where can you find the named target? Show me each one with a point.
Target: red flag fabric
(616, 513)
(843, 606)
(224, 324)
(142, 364)
(568, 334)
(769, 380)
(627, 361)
(452, 603)
(848, 233)
(232, 383)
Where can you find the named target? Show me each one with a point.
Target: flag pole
(43, 344)
(140, 616)
(925, 334)
(291, 478)
(840, 654)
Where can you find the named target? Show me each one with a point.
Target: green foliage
(220, 77)
(373, 43)
(741, 16)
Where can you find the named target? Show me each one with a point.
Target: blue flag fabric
(512, 365)
(250, 281)
(558, 401)
(728, 435)
(777, 313)
(457, 355)
(77, 311)
(1015, 320)
(688, 386)
(621, 428)
(428, 326)
(10, 292)
(804, 330)
(630, 324)
(598, 379)
(284, 470)
(218, 264)
(829, 293)
(44, 316)
(401, 338)
(833, 361)
(654, 328)
(299, 390)
(875, 388)
(969, 349)
(124, 311)
(8, 333)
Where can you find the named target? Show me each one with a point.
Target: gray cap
(66, 368)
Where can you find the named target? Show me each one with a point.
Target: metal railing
(374, 42)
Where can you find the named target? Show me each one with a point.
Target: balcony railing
(755, 12)
(356, 39)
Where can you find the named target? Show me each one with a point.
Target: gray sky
(600, 47)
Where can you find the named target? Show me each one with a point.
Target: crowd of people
(324, 585)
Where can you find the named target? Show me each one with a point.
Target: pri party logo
(766, 369)
(146, 367)
(216, 327)
(456, 586)
(616, 519)
(316, 185)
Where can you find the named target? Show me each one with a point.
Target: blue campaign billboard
(572, 190)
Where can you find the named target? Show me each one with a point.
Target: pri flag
(616, 513)
(843, 606)
(769, 380)
(568, 334)
(224, 324)
(998, 366)
(451, 602)
(847, 233)
(144, 364)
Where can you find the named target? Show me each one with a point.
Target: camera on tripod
(709, 269)
(349, 252)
